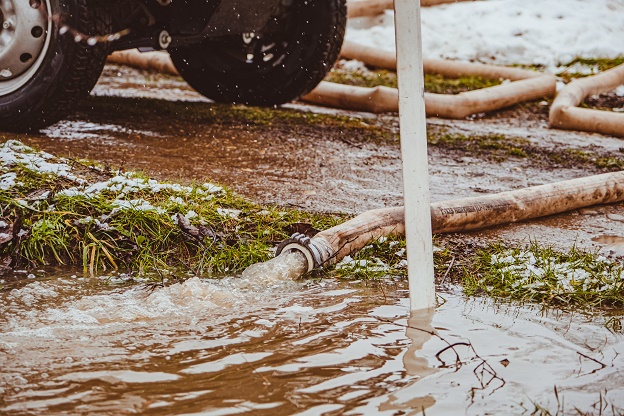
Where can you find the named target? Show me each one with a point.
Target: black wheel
(42, 72)
(283, 61)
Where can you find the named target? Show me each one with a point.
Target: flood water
(76, 345)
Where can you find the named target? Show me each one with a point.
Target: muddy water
(70, 345)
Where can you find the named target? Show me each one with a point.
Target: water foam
(287, 266)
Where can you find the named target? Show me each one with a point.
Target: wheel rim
(258, 49)
(265, 49)
(24, 40)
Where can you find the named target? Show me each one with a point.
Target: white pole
(414, 153)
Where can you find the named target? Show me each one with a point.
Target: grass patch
(385, 257)
(380, 259)
(54, 216)
(495, 146)
(439, 84)
(590, 66)
(533, 273)
(363, 78)
(214, 113)
(544, 275)
(610, 163)
(603, 64)
(149, 113)
(434, 83)
(51, 215)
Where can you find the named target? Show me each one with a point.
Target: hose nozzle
(316, 250)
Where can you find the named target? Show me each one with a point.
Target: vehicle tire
(44, 73)
(278, 64)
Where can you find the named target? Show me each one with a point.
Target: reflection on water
(613, 242)
(218, 347)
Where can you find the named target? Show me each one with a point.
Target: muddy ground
(139, 120)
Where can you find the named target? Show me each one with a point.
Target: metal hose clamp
(316, 254)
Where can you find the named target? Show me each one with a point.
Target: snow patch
(530, 32)
(14, 153)
(570, 276)
(7, 181)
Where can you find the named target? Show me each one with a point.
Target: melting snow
(375, 265)
(137, 205)
(7, 181)
(229, 213)
(570, 275)
(126, 183)
(531, 32)
(14, 153)
(78, 130)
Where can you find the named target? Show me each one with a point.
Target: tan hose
(458, 106)
(565, 115)
(526, 86)
(374, 100)
(470, 213)
(533, 202)
(360, 8)
(154, 61)
(454, 69)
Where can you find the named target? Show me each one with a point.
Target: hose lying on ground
(525, 86)
(457, 106)
(384, 59)
(154, 61)
(330, 246)
(565, 115)
(361, 8)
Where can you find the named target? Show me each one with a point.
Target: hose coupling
(316, 251)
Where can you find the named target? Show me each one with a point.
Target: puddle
(122, 81)
(235, 346)
(82, 130)
(614, 243)
(593, 230)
